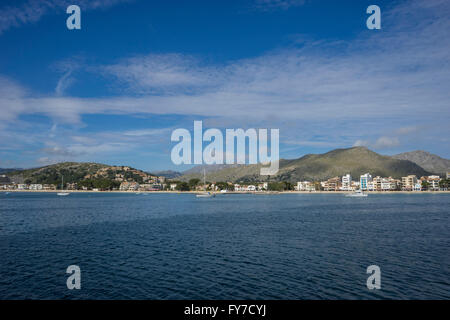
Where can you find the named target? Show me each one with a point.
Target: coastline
(225, 193)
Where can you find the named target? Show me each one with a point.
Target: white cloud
(386, 143)
(408, 130)
(381, 143)
(361, 143)
(44, 161)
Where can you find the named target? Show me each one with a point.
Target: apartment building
(409, 182)
(333, 184)
(433, 182)
(305, 186)
(347, 182)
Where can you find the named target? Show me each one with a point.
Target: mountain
(314, 167)
(208, 168)
(426, 160)
(169, 174)
(6, 170)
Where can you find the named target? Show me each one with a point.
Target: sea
(233, 246)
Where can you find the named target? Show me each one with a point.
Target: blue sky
(114, 91)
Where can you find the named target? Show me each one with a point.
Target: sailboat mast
(204, 178)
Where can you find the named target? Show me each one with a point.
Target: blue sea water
(177, 246)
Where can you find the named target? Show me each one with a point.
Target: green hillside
(83, 173)
(72, 172)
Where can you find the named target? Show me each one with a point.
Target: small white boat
(62, 193)
(357, 193)
(205, 195)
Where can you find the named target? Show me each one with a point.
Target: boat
(62, 193)
(205, 194)
(357, 193)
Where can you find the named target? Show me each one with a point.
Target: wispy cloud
(380, 143)
(277, 4)
(162, 73)
(68, 68)
(63, 83)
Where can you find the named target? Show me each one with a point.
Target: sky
(114, 91)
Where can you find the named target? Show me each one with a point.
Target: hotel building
(364, 181)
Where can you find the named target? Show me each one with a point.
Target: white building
(305, 186)
(35, 186)
(173, 186)
(371, 186)
(346, 182)
(250, 188)
(364, 181)
(433, 182)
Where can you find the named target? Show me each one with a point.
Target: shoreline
(229, 192)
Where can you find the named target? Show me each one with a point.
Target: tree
(193, 183)
(317, 186)
(276, 186)
(86, 183)
(444, 183)
(183, 186)
(425, 185)
(288, 186)
(222, 185)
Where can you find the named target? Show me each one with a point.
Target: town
(137, 181)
